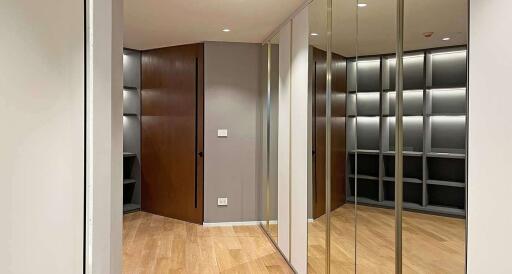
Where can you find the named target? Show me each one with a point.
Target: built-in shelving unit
(131, 131)
(434, 130)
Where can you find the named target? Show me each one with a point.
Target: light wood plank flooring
(431, 244)
(155, 244)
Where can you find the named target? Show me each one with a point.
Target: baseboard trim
(246, 223)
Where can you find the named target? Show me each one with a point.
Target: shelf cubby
(412, 192)
(413, 103)
(446, 102)
(131, 131)
(447, 134)
(446, 196)
(413, 133)
(367, 76)
(413, 167)
(413, 71)
(366, 188)
(363, 104)
(367, 164)
(368, 133)
(447, 68)
(446, 169)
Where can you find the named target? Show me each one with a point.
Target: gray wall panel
(231, 169)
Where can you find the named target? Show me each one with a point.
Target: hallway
(155, 244)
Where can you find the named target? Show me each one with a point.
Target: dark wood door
(338, 132)
(172, 132)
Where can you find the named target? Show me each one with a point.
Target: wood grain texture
(431, 244)
(172, 119)
(154, 244)
(338, 131)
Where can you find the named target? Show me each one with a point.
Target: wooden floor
(431, 244)
(155, 244)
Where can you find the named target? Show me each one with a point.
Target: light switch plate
(222, 201)
(222, 133)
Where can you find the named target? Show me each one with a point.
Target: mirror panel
(371, 82)
(434, 189)
(343, 110)
(317, 192)
(273, 105)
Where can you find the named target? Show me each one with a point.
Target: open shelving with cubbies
(131, 131)
(434, 127)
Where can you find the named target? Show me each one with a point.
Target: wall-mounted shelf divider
(434, 130)
(131, 131)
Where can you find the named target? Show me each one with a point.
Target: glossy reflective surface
(317, 189)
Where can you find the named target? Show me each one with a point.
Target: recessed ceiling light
(362, 5)
(446, 39)
(314, 34)
(226, 30)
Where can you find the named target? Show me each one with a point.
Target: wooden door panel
(338, 132)
(172, 134)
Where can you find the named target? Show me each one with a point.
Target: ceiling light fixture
(314, 34)
(362, 5)
(226, 30)
(446, 39)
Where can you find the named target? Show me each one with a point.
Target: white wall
(42, 139)
(490, 131)
(104, 137)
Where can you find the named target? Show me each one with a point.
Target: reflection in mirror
(368, 128)
(342, 217)
(317, 256)
(270, 107)
(273, 106)
(434, 189)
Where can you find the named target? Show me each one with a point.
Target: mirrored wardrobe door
(270, 108)
(343, 112)
(373, 183)
(317, 192)
(264, 201)
(434, 188)
(272, 137)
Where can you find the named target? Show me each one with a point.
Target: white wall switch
(222, 133)
(222, 201)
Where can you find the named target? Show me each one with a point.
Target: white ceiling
(377, 27)
(160, 23)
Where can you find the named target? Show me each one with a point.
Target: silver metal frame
(399, 135)
(328, 105)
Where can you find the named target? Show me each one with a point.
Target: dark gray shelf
(127, 208)
(446, 114)
(441, 210)
(405, 115)
(446, 87)
(446, 155)
(366, 177)
(355, 116)
(407, 180)
(130, 88)
(365, 151)
(129, 154)
(405, 153)
(445, 210)
(446, 183)
(129, 181)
